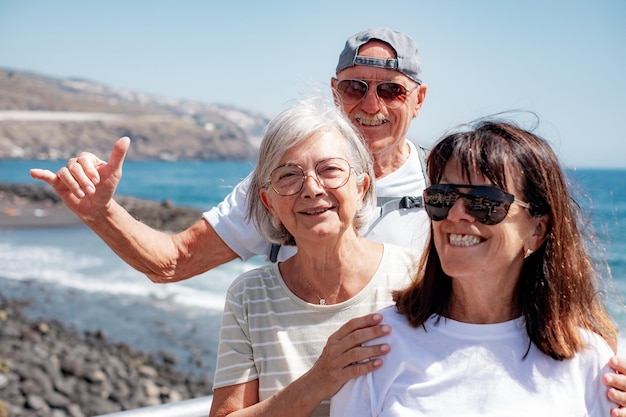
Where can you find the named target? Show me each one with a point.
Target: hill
(44, 117)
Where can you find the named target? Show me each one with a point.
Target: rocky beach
(50, 369)
(47, 369)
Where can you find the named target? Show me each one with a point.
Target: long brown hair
(558, 291)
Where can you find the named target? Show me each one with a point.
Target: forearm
(145, 249)
(162, 257)
(298, 399)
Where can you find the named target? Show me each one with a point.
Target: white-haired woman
(285, 347)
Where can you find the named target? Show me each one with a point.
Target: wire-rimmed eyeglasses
(331, 173)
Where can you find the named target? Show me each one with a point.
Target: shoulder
(398, 265)
(255, 279)
(391, 315)
(235, 199)
(595, 345)
(400, 255)
(401, 328)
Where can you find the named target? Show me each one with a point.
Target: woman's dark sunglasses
(392, 94)
(488, 205)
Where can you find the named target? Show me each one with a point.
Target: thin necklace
(322, 299)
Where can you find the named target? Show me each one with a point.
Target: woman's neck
(330, 274)
(471, 303)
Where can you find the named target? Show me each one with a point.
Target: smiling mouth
(464, 240)
(316, 211)
(375, 120)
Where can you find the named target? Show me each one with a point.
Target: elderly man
(378, 83)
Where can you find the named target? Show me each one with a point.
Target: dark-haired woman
(504, 316)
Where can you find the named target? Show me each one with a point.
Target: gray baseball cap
(407, 61)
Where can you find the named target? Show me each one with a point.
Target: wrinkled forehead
(321, 144)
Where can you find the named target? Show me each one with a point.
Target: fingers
(617, 386)
(618, 364)
(83, 174)
(43, 175)
(363, 322)
(80, 175)
(350, 352)
(364, 367)
(118, 153)
(350, 342)
(88, 169)
(362, 353)
(360, 330)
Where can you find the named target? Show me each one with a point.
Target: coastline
(33, 206)
(36, 206)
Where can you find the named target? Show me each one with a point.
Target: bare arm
(163, 258)
(342, 359)
(87, 185)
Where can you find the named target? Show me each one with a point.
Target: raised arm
(87, 185)
(342, 359)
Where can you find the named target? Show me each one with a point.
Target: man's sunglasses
(392, 94)
(488, 205)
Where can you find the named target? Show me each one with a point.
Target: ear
(539, 233)
(333, 84)
(265, 199)
(421, 96)
(365, 185)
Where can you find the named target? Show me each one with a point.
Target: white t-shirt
(449, 368)
(404, 227)
(270, 334)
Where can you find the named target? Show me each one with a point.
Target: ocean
(73, 277)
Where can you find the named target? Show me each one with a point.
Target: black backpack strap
(407, 202)
(274, 252)
(422, 153)
(388, 204)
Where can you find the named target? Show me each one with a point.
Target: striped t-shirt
(270, 334)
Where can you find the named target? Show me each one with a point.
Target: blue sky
(564, 60)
